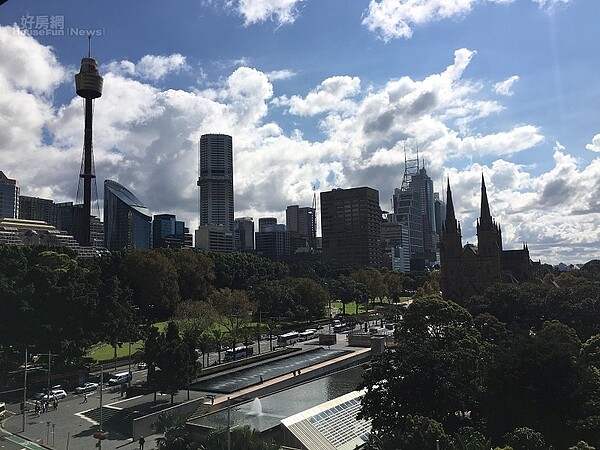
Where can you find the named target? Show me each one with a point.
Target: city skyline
(317, 96)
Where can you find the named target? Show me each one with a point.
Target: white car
(54, 394)
(142, 365)
(86, 387)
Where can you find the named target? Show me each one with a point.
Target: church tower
(450, 251)
(489, 243)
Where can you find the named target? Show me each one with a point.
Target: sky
(318, 94)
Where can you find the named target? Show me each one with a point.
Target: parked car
(86, 387)
(142, 365)
(52, 395)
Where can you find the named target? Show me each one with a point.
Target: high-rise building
(302, 225)
(35, 208)
(414, 207)
(215, 190)
(9, 197)
(214, 238)
(243, 234)
(351, 226)
(395, 245)
(273, 241)
(127, 221)
(215, 180)
(167, 232)
(266, 222)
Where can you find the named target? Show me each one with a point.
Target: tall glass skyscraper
(127, 221)
(215, 180)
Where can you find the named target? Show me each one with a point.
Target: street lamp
(24, 390)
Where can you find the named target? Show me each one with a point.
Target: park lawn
(106, 352)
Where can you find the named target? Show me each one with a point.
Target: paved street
(72, 425)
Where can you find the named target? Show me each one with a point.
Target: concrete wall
(142, 426)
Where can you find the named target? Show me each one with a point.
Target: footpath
(72, 425)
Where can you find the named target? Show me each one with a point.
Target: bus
(306, 335)
(287, 338)
(238, 353)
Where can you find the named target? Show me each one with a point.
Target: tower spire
(450, 225)
(485, 215)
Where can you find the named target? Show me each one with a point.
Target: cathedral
(469, 270)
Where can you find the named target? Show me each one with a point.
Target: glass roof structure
(331, 425)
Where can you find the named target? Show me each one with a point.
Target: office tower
(215, 180)
(440, 212)
(70, 218)
(302, 225)
(214, 238)
(266, 222)
(243, 234)
(127, 221)
(395, 245)
(9, 197)
(215, 192)
(414, 206)
(35, 208)
(273, 242)
(88, 84)
(407, 209)
(351, 226)
(167, 232)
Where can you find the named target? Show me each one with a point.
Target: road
(17, 443)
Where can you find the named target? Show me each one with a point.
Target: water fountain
(255, 408)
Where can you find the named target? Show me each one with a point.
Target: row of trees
(54, 301)
(524, 380)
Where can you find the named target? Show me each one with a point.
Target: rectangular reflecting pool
(269, 410)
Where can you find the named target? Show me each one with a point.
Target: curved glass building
(127, 221)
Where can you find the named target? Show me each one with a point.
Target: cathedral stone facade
(469, 270)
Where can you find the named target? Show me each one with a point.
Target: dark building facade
(302, 224)
(127, 221)
(351, 226)
(215, 180)
(35, 208)
(470, 270)
(243, 234)
(167, 232)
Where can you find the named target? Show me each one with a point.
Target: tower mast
(88, 84)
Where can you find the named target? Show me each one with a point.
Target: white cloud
(256, 11)
(280, 75)
(145, 137)
(392, 19)
(331, 95)
(551, 4)
(505, 87)
(150, 67)
(595, 144)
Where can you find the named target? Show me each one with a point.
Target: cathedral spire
(450, 223)
(485, 215)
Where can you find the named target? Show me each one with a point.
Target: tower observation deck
(88, 84)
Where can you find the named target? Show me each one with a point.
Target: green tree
(235, 311)
(175, 436)
(153, 279)
(195, 273)
(434, 371)
(175, 361)
(467, 438)
(526, 439)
